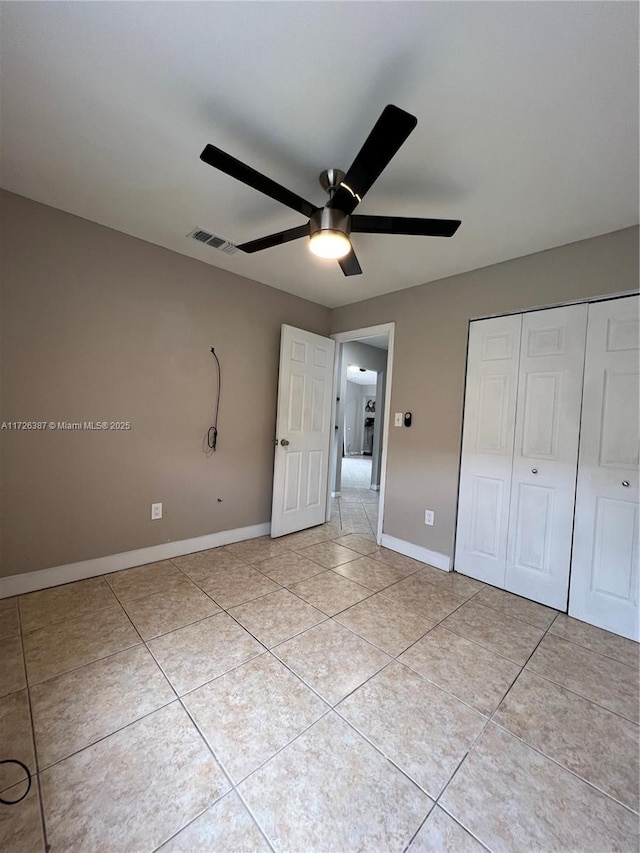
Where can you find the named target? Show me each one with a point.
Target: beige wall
(430, 355)
(97, 325)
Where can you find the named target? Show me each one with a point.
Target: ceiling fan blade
(241, 172)
(349, 264)
(404, 225)
(274, 239)
(389, 133)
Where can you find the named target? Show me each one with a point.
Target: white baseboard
(44, 578)
(375, 488)
(336, 494)
(433, 558)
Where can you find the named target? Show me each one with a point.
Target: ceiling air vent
(210, 239)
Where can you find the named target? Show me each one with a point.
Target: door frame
(345, 337)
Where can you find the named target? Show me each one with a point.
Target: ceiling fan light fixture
(330, 244)
(329, 233)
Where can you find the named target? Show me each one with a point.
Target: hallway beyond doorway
(356, 510)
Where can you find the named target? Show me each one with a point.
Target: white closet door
(487, 448)
(604, 574)
(546, 454)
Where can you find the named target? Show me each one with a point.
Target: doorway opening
(358, 454)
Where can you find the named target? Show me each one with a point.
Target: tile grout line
(490, 721)
(36, 773)
(393, 658)
(477, 738)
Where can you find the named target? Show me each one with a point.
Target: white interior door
(604, 573)
(545, 455)
(487, 448)
(303, 429)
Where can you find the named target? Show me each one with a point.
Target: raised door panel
(604, 573)
(304, 425)
(487, 448)
(545, 456)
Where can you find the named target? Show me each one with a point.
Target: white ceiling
(377, 341)
(527, 124)
(361, 377)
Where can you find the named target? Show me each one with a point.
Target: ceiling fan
(329, 227)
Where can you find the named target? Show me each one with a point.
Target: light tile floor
(356, 510)
(313, 693)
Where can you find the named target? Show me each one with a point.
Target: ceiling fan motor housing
(330, 219)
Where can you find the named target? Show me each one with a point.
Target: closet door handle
(534, 470)
(284, 442)
(625, 483)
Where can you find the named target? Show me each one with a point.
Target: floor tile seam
(185, 625)
(315, 575)
(65, 619)
(490, 720)
(216, 677)
(582, 646)
(254, 818)
(558, 763)
(386, 565)
(436, 805)
(238, 604)
(235, 786)
(482, 645)
(582, 696)
(463, 637)
(344, 577)
(410, 572)
(447, 691)
(106, 736)
(36, 772)
(593, 651)
(299, 551)
(209, 680)
(407, 846)
(180, 569)
(331, 615)
(508, 615)
(371, 642)
(307, 684)
(458, 820)
(247, 776)
(299, 677)
(387, 758)
(439, 622)
(286, 640)
(193, 820)
(135, 645)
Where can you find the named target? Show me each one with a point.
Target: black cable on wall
(212, 433)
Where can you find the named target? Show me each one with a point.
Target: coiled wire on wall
(212, 432)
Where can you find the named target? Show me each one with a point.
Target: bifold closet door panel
(604, 573)
(545, 455)
(487, 448)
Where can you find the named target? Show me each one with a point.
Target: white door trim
(356, 335)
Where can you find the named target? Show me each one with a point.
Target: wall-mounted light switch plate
(398, 419)
(156, 511)
(429, 517)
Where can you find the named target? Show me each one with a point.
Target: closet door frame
(460, 507)
(545, 456)
(607, 511)
(491, 385)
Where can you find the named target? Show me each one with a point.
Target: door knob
(534, 470)
(284, 442)
(625, 483)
